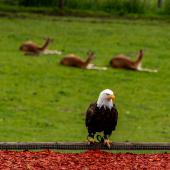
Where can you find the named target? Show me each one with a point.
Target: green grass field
(43, 101)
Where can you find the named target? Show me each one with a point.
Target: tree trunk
(159, 3)
(61, 4)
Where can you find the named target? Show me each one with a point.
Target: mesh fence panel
(83, 146)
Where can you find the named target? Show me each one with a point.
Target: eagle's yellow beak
(111, 97)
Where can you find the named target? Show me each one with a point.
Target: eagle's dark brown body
(101, 119)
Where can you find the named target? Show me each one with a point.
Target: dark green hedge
(38, 2)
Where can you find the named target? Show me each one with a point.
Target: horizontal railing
(82, 146)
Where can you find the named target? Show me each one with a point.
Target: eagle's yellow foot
(90, 140)
(107, 142)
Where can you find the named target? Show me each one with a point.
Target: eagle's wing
(114, 110)
(90, 114)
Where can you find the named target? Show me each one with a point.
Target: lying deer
(30, 48)
(75, 61)
(122, 61)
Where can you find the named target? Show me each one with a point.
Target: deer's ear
(89, 52)
(45, 38)
(50, 39)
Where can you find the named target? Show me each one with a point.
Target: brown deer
(122, 61)
(75, 61)
(31, 48)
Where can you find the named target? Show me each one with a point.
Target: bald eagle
(102, 116)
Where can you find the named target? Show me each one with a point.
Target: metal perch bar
(82, 146)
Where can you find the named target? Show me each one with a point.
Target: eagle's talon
(90, 140)
(100, 138)
(90, 143)
(107, 142)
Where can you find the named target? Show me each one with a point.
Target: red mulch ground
(90, 160)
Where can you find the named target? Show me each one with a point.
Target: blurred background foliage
(121, 7)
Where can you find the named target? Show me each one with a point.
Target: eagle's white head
(106, 98)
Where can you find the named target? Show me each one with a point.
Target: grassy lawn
(43, 101)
